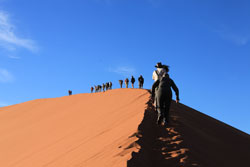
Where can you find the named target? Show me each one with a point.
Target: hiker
(99, 88)
(110, 85)
(164, 97)
(121, 82)
(141, 81)
(91, 89)
(107, 86)
(103, 87)
(132, 81)
(70, 92)
(126, 82)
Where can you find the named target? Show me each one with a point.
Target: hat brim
(158, 66)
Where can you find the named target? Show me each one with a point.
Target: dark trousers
(163, 103)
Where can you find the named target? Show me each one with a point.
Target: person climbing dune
(163, 97)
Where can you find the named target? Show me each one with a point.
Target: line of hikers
(161, 91)
(126, 81)
(103, 87)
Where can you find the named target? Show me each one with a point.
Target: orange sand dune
(116, 128)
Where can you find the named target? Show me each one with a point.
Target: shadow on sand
(159, 146)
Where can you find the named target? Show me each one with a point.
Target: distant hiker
(132, 81)
(107, 86)
(164, 97)
(126, 82)
(70, 92)
(103, 87)
(99, 88)
(141, 81)
(110, 85)
(121, 82)
(160, 71)
(91, 89)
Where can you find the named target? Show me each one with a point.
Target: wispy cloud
(13, 57)
(236, 37)
(5, 76)
(123, 70)
(9, 40)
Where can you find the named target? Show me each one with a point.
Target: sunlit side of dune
(85, 130)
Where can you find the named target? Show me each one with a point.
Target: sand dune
(116, 128)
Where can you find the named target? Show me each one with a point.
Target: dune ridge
(115, 128)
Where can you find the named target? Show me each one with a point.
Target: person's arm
(176, 90)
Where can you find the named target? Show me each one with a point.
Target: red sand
(116, 128)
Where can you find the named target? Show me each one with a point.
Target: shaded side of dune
(192, 139)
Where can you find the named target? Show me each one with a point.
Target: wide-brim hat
(158, 65)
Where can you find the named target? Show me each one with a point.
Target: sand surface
(116, 128)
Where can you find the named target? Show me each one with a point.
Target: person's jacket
(133, 80)
(165, 83)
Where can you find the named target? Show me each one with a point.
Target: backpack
(161, 73)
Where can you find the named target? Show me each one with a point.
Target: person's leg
(159, 97)
(166, 110)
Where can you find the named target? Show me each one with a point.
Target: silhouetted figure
(107, 86)
(103, 87)
(126, 82)
(110, 85)
(91, 89)
(164, 97)
(141, 81)
(99, 88)
(121, 82)
(132, 81)
(70, 92)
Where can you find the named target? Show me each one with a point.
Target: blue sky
(50, 46)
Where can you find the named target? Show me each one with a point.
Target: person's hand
(177, 101)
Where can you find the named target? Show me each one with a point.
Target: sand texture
(116, 128)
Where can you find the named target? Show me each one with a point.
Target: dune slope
(116, 128)
(79, 130)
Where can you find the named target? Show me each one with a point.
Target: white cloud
(5, 76)
(9, 40)
(124, 70)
